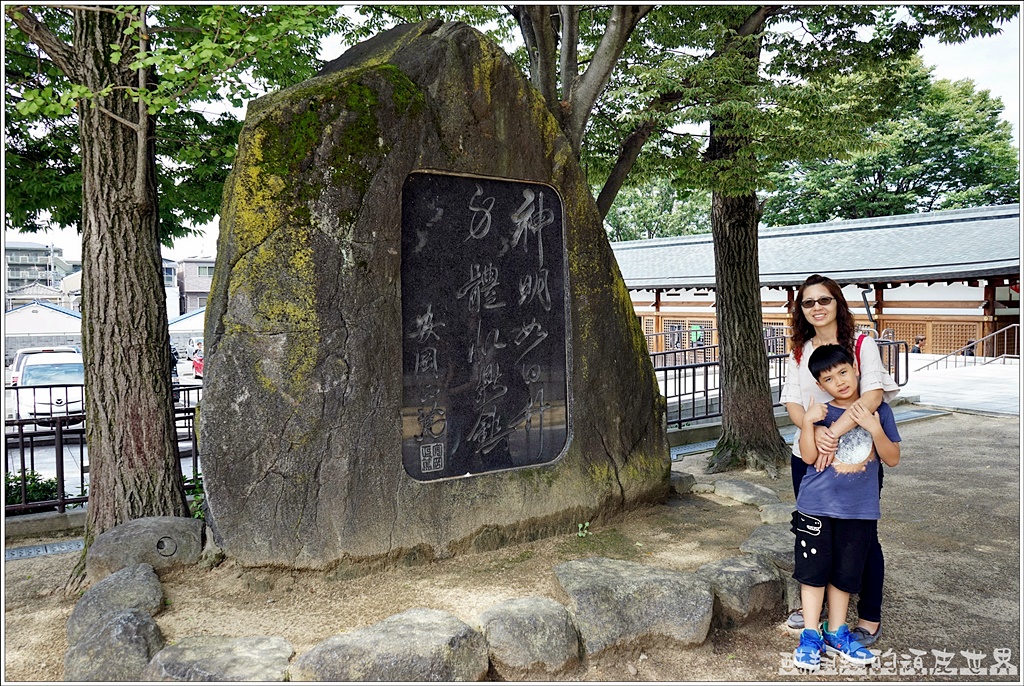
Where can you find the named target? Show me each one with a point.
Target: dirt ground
(950, 531)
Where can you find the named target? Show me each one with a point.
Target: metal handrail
(968, 355)
(1001, 358)
(30, 442)
(692, 387)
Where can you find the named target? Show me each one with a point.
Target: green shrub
(195, 489)
(36, 487)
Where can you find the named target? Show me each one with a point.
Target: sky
(992, 62)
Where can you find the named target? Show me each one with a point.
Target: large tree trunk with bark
(750, 436)
(133, 462)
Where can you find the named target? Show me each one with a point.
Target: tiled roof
(934, 246)
(35, 289)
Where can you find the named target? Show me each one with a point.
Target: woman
(823, 317)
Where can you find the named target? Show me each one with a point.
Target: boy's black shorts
(831, 551)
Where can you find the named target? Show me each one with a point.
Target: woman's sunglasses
(824, 301)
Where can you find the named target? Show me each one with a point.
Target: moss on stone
(273, 223)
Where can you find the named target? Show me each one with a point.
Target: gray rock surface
(774, 541)
(744, 586)
(222, 658)
(312, 212)
(132, 588)
(530, 637)
(160, 542)
(779, 513)
(745, 492)
(793, 599)
(118, 650)
(416, 645)
(616, 602)
(682, 482)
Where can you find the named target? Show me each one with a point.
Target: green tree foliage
(943, 147)
(657, 210)
(105, 90)
(197, 58)
(715, 97)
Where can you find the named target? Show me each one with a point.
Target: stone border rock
(612, 603)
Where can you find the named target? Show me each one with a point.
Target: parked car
(194, 344)
(23, 354)
(50, 386)
(197, 365)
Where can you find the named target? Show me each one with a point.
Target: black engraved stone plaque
(485, 319)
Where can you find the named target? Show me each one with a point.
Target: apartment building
(195, 276)
(30, 264)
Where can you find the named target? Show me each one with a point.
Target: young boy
(838, 508)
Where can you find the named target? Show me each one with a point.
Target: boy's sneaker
(808, 654)
(843, 644)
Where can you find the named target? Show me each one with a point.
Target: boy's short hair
(828, 357)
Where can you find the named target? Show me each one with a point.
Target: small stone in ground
(777, 513)
(774, 541)
(745, 492)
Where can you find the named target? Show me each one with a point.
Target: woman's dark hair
(803, 330)
(826, 357)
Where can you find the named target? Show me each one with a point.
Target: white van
(23, 354)
(51, 385)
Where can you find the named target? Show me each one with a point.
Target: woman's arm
(869, 401)
(874, 384)
(796, 413)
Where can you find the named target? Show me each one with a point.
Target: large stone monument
(418, 341)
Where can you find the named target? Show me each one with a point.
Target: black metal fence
(690, 378)
(46, 463)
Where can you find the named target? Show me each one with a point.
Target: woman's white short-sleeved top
(800, 386)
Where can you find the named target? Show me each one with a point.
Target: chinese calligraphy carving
(485, 318)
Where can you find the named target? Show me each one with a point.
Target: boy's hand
(824, 461)
(815, 413)
(825, 440)
(864, 418)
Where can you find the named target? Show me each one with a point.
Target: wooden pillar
(790, 300)
(988, 322)
(879, 298)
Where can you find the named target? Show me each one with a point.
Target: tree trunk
(749, 433)
(133, 463)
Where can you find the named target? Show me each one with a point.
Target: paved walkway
(987, 389)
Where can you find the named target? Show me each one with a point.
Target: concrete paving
(987, 389)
